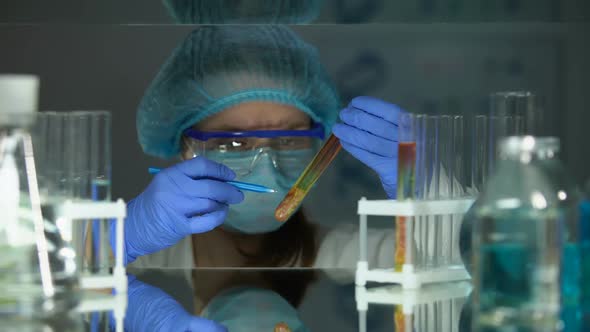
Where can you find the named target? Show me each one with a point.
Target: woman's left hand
(151, 309)
(369, 133)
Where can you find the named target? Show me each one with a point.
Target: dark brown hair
(294, 244)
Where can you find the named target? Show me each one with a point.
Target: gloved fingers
(364, 140)
(389, 181)
(200, 206)
(219, 191)
(377, 107)
(198, 324)
(191, 206)
(385, 167)
(368, 158)
(201, 167)
(369, 123)
(207, 222)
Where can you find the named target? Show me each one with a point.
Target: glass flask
(522, 226)
(38, 274)
(487, 131)
(511, 113)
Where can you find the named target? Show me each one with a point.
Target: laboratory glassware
(75, 163)
(520, 104)
(306, 180)
(430, 167)
(486, 132)
(520, 229)
(38, 275)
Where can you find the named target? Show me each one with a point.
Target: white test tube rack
(72, 211)
(409, 277)
(411, 300)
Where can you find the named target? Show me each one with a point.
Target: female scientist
(253, 104)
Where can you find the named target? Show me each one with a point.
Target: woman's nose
(265, 151)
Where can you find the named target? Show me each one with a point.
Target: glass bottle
(522, 226)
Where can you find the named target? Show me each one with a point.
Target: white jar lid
(19, 93)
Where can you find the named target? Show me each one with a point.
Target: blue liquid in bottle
(525, 243)
(518, 285)
(570, 288)
(584, 228)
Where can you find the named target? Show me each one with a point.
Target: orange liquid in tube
(405, 190)
(310, 175)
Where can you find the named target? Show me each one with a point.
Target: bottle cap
(18, 98)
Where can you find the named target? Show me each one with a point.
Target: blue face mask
(255, 215)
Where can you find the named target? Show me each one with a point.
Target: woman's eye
(286, 141)
(294, 143)
(236, 145)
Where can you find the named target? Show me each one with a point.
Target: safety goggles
(289, 151)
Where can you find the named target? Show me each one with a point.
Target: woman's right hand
(187, 198)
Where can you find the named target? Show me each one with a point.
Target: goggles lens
(240, 144)
(289, 155)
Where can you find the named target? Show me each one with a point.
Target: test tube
(452, 182)
(430, 183)
(487, 132)
(403, 322)
(282, 327)
(406, 178)
(433, 170)
(49, 141)
(310, 175)
(523, 105)
(89, 175)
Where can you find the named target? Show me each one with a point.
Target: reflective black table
(302, 299)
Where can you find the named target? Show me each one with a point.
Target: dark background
(323, 11)
(436, 56)
(426, 58)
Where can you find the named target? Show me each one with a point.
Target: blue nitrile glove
(369, 133)
(187, 198)
(151, 309)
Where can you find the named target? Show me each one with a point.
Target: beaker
(519, 104)
(76, 165)
(38, 276)
(487, 132)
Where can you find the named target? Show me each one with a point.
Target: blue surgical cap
(243, 11)
(252, 310)
(217, 67)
